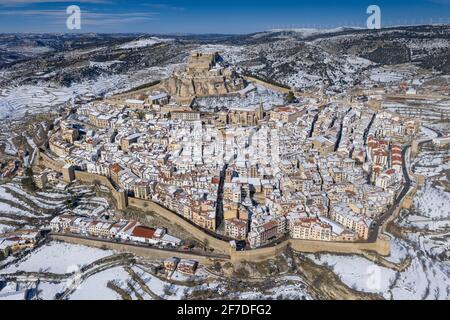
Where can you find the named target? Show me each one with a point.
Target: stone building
(204, 75)
(248, 116)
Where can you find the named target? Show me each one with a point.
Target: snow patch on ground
(58, 257)
(142, 43)
(432, 202)
(6, 228)
(358, 273)
(95, 287)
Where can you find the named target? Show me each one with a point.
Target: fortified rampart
(256, 255)
(43, 159)
(381, 246)
(196, 232)
(119, 196)
(149, 252)
(267, 85)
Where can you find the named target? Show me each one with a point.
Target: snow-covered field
(48, 290)
(391, 75)
(141, 43)
(399, 250)
(427, 133)
(95, 287)
(431, 206)
(15, 102)
(17, 204)
(13, 210)
(6, 228)
(423, 279)
(302, 79)
(38, 201)
(294, 292)
(432, 163)
(57, 257)
(432, 202)
(357, 272)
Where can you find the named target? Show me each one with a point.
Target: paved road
(131, 244)
(406, 186)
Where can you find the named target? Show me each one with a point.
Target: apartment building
(236, 228)
(310, 229)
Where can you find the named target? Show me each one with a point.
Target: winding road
(405, 189)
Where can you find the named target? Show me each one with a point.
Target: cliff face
(191, 86)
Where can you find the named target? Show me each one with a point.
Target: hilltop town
(272, 165)
(311, 170)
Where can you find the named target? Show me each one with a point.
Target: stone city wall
(90, 178)
(149, 252)
(43, 159)
(267, 85)
(196, 232)
(381, 246)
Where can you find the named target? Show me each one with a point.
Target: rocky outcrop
(193, 81)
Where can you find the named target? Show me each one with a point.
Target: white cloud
(89, 18)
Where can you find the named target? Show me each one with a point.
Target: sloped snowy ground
(95, 287)
(17, 101)
(18, 206)
(141, 43)
(425, 278)
(57, 257)
(22, 209)
(357, 272)
(432, 163)
(432, 202)
(268, 98)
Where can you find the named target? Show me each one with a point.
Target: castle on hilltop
(199, 63)
(204, 75)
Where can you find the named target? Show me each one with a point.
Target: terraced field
(20, 209)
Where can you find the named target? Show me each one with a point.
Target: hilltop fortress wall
(119, 196)
(203, 76)
(267, 85)
(44, 160)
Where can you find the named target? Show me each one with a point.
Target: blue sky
(201, 16)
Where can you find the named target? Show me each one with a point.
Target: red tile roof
(116, 168)
(143, 232)
(215, 180)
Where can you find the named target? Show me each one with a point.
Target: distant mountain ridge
(299, 58)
